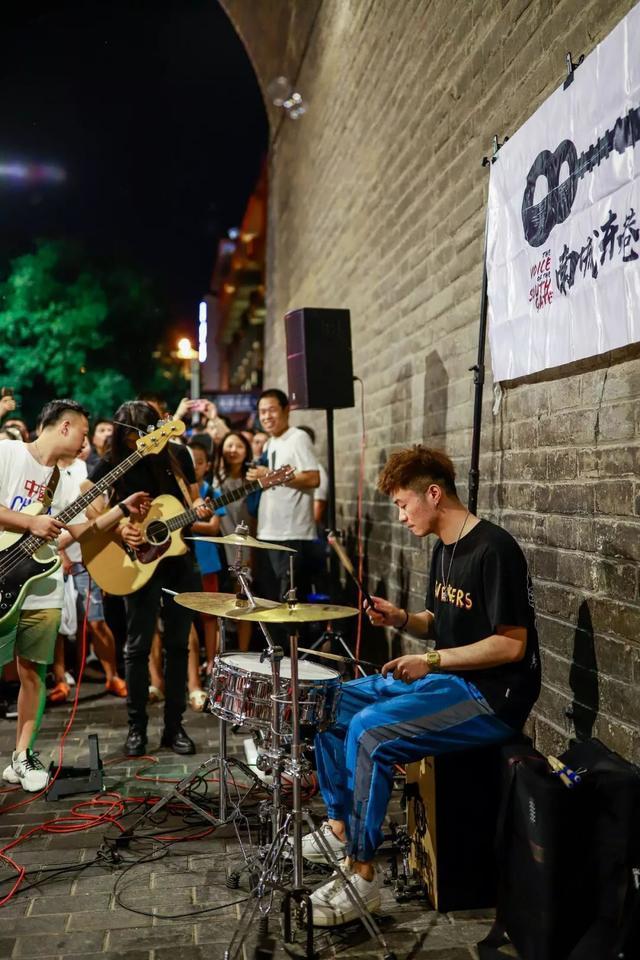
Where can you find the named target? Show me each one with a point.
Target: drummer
(475, 687)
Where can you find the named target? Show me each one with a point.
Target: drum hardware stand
(219, 761)
(334, 635)
(275, 654)
(268, 883)
(400, 875)
(242, 575)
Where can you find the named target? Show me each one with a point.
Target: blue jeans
(381, 722)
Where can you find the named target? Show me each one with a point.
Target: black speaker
(319, 362)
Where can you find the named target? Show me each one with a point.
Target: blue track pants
(381, 722)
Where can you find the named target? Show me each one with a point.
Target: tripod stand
(220, 762)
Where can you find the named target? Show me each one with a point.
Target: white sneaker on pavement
(313, 850)
(332, 904)
(26, 769)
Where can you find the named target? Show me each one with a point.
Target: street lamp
(191, 360)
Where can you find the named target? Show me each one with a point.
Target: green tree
(70, 328)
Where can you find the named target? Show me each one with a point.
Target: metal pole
(478, 367)
(478, 379)
(331, 473)
(195, 378)
(296, 769)
(222, 735)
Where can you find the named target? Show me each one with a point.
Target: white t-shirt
(285, 513)
(322, 492)
(72, 476)
(24, 481)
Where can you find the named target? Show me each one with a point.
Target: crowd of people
(144, 647)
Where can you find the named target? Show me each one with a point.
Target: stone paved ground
(77, 915)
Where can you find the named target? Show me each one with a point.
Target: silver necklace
(446, 582)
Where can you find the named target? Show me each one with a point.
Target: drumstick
(336, 656)
(346, 563)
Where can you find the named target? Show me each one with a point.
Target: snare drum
(242, 689)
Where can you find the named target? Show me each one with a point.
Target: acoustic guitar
(121, 570)
(25, 558)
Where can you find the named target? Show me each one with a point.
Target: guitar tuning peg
(150, 428)
(159, 424)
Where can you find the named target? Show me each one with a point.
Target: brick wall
(377, 203)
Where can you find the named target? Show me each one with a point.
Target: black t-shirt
(154, 474)
(488, 585)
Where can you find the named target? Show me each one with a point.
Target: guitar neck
(31, 543)
(191, 516)
(100, 487)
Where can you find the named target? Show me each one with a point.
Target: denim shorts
(81, 581)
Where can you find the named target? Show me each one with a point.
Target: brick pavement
(76, 915)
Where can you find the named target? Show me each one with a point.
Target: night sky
(153, 109)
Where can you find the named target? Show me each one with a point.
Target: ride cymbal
(237, 540)
(295, 613)
(221, 604)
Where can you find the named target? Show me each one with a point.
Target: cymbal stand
(275, 654)
(270, 880)
(334, 636)
(220, 762)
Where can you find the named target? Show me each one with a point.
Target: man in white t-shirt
(285, 514)
(25, 472)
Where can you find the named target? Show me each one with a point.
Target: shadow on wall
(583, 676)
(436, 400)
(401, 405)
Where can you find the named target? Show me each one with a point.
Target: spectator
(208, 558)
(234, 459)
(100, 440)
(285, 514)
(257, 444)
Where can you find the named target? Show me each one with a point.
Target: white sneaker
(332, 904)
(26, 769)
(313, 850)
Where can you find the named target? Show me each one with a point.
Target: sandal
(156, 695)
(59, 694)
(197, 700)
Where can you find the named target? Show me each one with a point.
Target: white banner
(563, 233)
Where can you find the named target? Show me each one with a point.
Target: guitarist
(25, 474)
(170, 472)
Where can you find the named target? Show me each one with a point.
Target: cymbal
(237, 540)
(220, 604)
(297, 613)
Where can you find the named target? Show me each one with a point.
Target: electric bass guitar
(25, 558)
(121, 570)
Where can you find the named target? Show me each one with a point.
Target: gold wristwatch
(432, 658)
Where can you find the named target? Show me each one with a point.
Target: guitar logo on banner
(563, 251)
